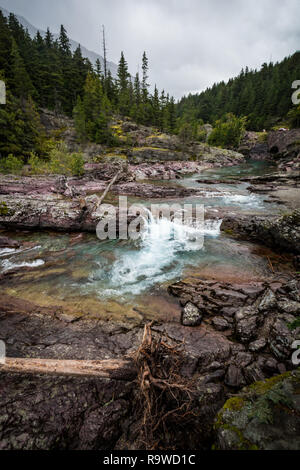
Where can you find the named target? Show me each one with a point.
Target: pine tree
(137, 89)
(66, 97)
(20, 128)
(5, 46)
(98, 68)
(111, 90)
(80, 120)
(64, 42)
(171, 115)
(145, 85)
(123, 86)
(20, 83)
(49, 39)
(156, 114)
(80, 68)
(123, 75)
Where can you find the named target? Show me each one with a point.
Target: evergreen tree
(145, 85)
(5, 46)
(171, 113)
(20, 129)
(80, 120)
(21, 83)
(123, 79)
(64, 42)
(156, 111)
(98, 68)
(48, 39)
(92, 114)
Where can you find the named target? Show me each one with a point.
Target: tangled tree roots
(165, 399)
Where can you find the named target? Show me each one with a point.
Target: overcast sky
(190, 43)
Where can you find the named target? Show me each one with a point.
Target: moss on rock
(265, 416)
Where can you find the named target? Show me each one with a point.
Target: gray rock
(293, 290)
(214, 366)
(252, 291)
(289, 306)
(284, 144)
(253, 373)
(228, 311)
(220, 324)
(281, 368)
(264, 416)
(270, 366)
(268, 301)
(215, 376)
(276, 232)
(246, 329)
(245, 312)
(281, 339)
(243, 359)
(258, 345)
(191, 315)
(234, 377)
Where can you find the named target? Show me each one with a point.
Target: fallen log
(111, 183)
(117, 369)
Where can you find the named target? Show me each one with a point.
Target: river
(124, 277)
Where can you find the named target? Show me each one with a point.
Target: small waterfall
(159, 255)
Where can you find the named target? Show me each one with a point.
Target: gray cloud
(190, 44)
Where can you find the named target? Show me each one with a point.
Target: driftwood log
(108, 187)
(117, 369)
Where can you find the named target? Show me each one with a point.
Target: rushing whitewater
(8, 265)
(158, 256)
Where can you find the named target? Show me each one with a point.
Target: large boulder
(254, 145)
(164, 141)
(279, 233)
(51, 412)
(284, 143)
(153, 155)
(265, 416)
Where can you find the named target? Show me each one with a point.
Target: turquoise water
(221, 195)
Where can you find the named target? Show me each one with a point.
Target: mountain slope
(92, 56)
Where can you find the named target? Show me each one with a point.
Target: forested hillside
(263, 96)
(44, 73)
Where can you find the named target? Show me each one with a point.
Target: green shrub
(262, 136)
(60, 162)
(63, 162)
(3, 209)
(186, 133)
(77, 164)
(11, 164)
(228, 132)
(202, 135)
(37, 165)
(294, 117)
